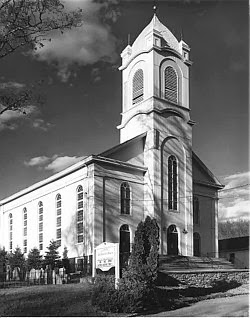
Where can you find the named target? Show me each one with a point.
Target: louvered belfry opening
(171, 86)
(138, 86)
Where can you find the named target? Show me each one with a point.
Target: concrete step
(177, 262)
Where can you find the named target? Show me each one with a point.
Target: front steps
(180, 263)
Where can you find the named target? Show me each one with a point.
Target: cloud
(85, 45)
(37, 161)
(237, 179)
(12, 120)
(12, 85)
(234, 200)
(60, 163)
(95, 75)
(55, 163)
(40, 123)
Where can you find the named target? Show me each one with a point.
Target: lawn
(48, 300)
(74, 299)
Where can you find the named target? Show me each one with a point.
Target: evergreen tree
(34, 259)
(17, 259)
(65, 253)
(233, 228)
(3, 260)
(3, 255)
(52, 255)
(65, 260)
(143, 263)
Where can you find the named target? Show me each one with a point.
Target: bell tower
(155, 83)
(155, 77)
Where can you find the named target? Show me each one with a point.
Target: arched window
(25, 230)
(137, 87)
(58, 219)
(79, 229)
(172, 183)
(40, 225)
(171, 84)
(125, 198)
(10, 231)
(124, 245)
(196, 209)
(197, 244)
(172, 240)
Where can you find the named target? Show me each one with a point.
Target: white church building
(153, 171)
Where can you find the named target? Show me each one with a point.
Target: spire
(129, 39)
(154, 8)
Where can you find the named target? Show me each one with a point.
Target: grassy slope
(74, 299)
(52, 300)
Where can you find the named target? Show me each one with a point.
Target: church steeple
(155, 67)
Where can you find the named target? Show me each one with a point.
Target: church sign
(106, 256)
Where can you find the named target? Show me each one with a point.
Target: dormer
(185, 51)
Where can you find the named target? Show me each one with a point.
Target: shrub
(104, 294)
(136, 288)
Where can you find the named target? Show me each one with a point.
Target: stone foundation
(202, 278)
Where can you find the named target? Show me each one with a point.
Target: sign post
(106, 256)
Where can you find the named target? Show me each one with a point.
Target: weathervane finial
(154, 7)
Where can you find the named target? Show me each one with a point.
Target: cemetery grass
(48, 300)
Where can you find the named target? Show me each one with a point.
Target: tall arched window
(125, 198)
(171, 84)
(10, 231)
(124, 246)
(58, 219)
(197, 244)
(196, 209)
(25, 230)
(172, 240)
(40, 225)
(137, 87)
(172, 183)
(80, 214)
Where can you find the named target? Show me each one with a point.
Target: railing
(17, 278)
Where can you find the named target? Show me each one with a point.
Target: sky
(81, 86)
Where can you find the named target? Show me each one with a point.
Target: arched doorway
(197, 244)
(124, 245)
(172, 240)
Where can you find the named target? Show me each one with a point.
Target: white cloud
(235, 197)
(12, 120)
(40, 123)
(12, 85)
(55, 163)
(61, 163)
(37, 161)
(88, 44)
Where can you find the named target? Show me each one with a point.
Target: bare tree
(18, 99)
(27, 24)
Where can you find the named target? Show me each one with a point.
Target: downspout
(103, 211)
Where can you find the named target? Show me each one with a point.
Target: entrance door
(197, 244)
(172, 240)
(124, 245)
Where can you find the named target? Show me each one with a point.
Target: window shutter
(138, 86)
(171, 89)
